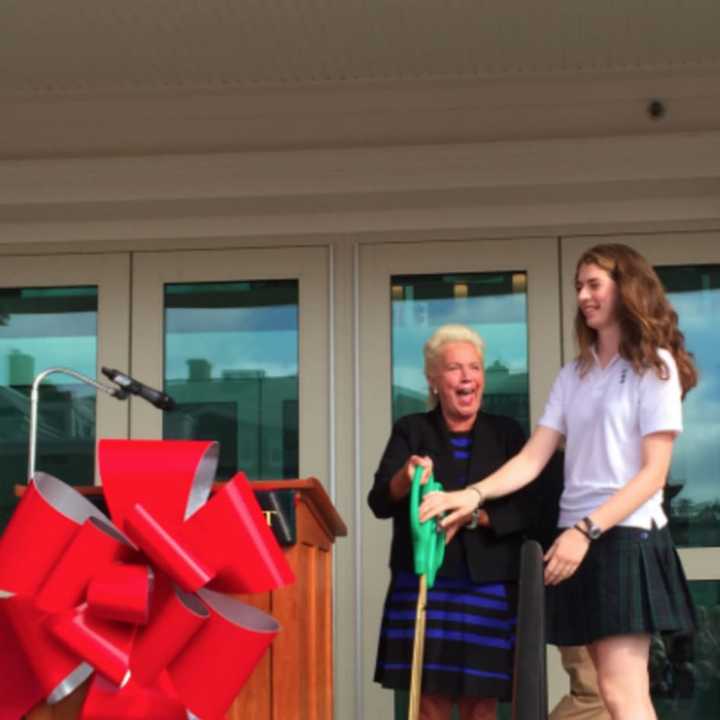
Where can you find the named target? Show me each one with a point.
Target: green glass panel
(493, 304)
(685, 671)
(693, 490)
(42, 328)
(231, 364)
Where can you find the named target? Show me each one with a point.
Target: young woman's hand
(454, 509)
(565, 556)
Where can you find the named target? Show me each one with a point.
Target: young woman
(613, 574)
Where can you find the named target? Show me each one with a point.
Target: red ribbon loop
(76, 595)
(166, 551)
(121, 593)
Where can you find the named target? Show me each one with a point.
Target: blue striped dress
(470, 628)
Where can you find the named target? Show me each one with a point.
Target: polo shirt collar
(613, 359)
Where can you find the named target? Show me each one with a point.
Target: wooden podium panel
(294, 679)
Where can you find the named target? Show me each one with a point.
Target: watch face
(593, 531)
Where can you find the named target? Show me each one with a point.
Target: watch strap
(582, 530)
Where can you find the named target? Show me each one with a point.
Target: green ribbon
(428, 543)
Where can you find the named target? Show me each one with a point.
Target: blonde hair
(441, 337)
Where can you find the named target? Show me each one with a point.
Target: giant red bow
(141, 600)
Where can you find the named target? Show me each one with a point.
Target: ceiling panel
(85, 46)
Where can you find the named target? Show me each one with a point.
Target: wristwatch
(592, 530)
(474, 519)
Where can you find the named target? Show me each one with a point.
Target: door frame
(308, 264)
(377, 264)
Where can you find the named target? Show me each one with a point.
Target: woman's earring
(434, 391)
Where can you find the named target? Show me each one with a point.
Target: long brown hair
(647, 320)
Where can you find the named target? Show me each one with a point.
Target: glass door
(67, 311)
(684, 672)
(505, 289)
(240, 340)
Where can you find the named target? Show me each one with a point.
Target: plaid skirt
(469, 637)
(630, 581)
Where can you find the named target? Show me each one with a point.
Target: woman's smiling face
(459, 379)
(597, 296)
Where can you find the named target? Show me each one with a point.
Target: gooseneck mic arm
(115, 392)
(123, 386)
(129, 385)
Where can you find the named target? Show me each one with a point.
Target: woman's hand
(565, 556)
(402, 480)
(454, 508)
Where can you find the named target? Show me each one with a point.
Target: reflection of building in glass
(65, 413)
(685, 670)
(692, 523)
(199, 369)
(254, 418)
(21, 368)
(407, 401)
(505, 393)
(65, 437)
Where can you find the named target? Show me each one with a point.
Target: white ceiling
(86, 46)
(89, 77)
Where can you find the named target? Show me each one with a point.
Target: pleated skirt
(630, 581)
(469, 637)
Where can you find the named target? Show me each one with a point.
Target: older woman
(471, 608)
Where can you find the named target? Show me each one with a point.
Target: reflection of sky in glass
(267, 319)
(32, 340)
(501, 321)
(696, 457)
(234, 327)
(232, 339)
(75, 353)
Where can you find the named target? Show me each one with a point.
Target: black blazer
(490, 554)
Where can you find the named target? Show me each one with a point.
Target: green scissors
(428, 543)
(428, 554)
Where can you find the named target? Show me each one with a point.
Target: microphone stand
(111, 390)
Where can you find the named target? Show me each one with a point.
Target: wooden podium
(294, 680)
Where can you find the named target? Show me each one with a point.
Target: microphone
(130, 385)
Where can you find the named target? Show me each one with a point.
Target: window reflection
(231, 363)
(685, 671)
(494, 304)
(693, 492)
(42, 328)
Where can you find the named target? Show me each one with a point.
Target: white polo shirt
(603, 416)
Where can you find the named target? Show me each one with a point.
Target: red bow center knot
(145, 601)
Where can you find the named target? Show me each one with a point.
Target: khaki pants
(583, 702)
